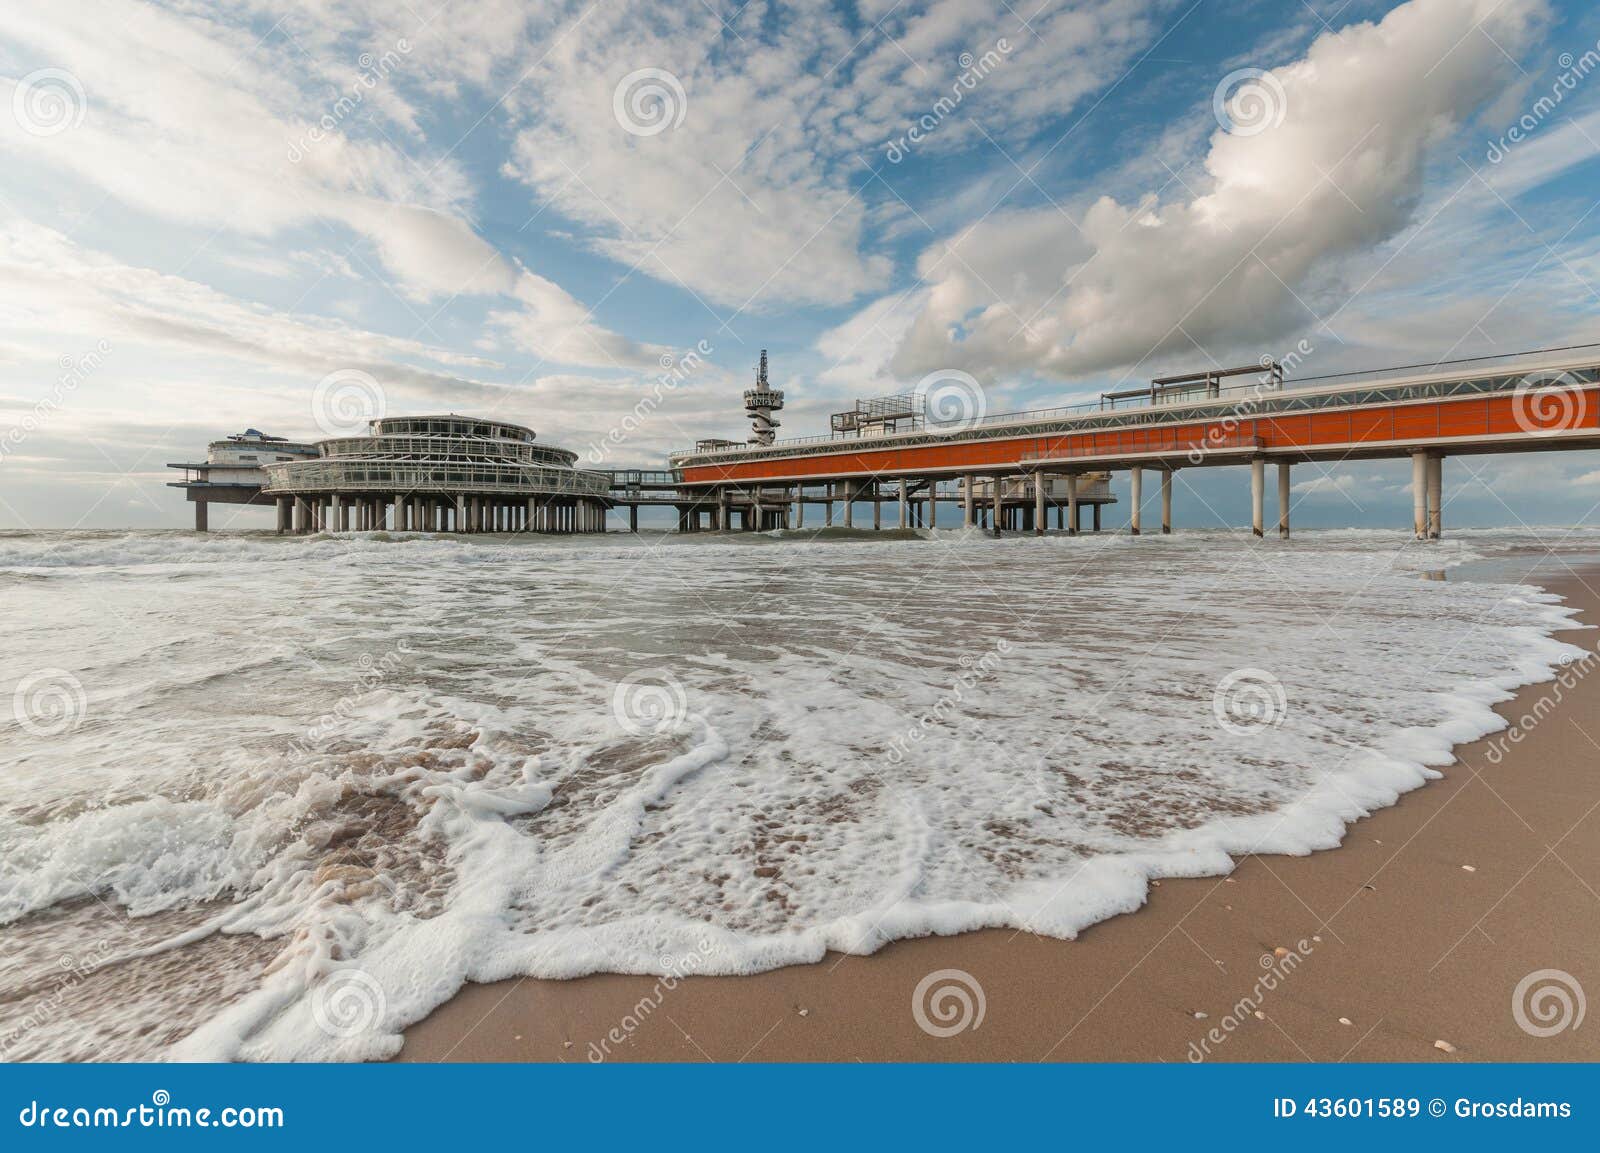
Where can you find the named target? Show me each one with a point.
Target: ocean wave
(312, 790)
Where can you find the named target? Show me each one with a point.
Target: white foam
(395, 764)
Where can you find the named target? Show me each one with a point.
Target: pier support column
(284, 513)
(1419, 495)
(1258, 496)
(966, 501)
(1038, 504)
(1435, 496)
(1283, 500)
(1072, 504)
(1166, 500)
(1135, 498)
(800, 508)
(461, 513)
(849, 504)
(200, 515)
(999, 505)
(337, 519)
(827, 508)
(1096, 517)
(904, 484)
(633, 518)
(302, 514)
(933, 502)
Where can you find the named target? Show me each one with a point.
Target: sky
(591, 217)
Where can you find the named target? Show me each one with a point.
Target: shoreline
(1417, 929)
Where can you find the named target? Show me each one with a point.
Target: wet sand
(1417, 930)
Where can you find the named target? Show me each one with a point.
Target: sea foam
(315, 785)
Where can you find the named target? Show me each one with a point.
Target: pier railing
(1474, 376)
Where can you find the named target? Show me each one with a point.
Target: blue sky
(293, 215)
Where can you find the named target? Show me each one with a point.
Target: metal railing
(330, 474)
(1336, 388)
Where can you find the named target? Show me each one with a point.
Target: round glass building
(438, 474)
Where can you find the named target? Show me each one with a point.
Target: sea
(276, 798)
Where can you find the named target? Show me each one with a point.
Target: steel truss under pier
(1540, 401)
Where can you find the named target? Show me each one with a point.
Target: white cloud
(1325, 485)
(50, 286)
(194, 119)
(555, 327)
(1343, 171)
(760, 195)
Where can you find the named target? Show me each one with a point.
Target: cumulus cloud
(196, 119)
(753, 190)
(1338, 168)
(52, 286)
(555, 327)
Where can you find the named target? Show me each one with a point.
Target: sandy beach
(1407, 943)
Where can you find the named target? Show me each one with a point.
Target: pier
(1542, 401)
